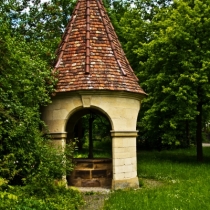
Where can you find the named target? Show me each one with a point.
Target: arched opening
(89, 130)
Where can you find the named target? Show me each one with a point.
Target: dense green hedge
(55, 197)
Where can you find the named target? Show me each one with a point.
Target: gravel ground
(94, 197)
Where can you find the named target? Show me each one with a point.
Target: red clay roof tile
(90, 55)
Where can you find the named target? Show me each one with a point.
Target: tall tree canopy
(28, 40)
(174, 70)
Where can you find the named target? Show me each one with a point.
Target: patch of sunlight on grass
(184, 183)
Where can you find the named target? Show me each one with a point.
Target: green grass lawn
(101, 149)
(170, 180)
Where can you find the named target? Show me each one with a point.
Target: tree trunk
(187, 134)
(80, 135)
(91, 119)
(199, 133)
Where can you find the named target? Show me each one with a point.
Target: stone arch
(75, 113)
(121, 108)
(75, 116)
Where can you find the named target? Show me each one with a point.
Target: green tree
(40, 21)
(175, 72)
(135, 26)
(26, 84)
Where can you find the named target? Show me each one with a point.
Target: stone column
(124, 159)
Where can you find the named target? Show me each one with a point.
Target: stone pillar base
(125, 183)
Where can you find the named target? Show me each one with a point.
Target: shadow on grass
(177, 156)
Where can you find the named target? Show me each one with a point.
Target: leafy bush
(53, 197)
(61, 198)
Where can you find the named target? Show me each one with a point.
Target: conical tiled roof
(90, 55)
